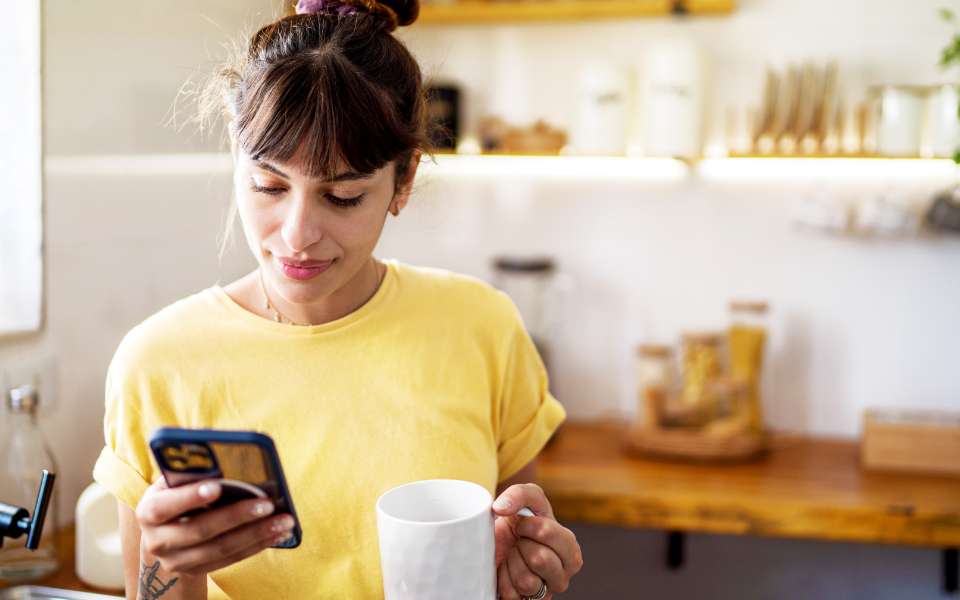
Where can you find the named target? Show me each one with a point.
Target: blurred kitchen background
(660, 210)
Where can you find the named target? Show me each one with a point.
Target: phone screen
(243, 468)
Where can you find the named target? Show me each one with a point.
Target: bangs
(313, 108)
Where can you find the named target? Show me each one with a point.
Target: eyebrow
(346, 176)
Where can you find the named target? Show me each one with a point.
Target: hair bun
(407, 11)
(393, 13)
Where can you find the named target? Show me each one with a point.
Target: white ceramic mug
(436, 541)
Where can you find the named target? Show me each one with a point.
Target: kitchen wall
(855, 323)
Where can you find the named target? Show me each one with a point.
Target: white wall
(856, 323)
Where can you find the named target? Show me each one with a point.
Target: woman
(367, 374)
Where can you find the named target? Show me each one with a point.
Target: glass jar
(655, 380)
(532, 285)
(25, 453)
(747, 339)
(703, 365)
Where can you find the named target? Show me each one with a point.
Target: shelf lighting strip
(557, 167)
(859, 169)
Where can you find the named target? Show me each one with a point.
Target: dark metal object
(676, 544)
(951, 566)
(15, 521)
(513, 264)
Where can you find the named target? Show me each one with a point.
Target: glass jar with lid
(747, 339)
(532, 282)
(656, 379)
(703, 365)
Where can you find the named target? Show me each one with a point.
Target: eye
(345, 202)
(272, 191)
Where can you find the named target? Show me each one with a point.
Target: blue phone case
(247, 457)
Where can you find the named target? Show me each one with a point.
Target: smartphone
(245, 463)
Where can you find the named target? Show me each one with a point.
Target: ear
(402, 195)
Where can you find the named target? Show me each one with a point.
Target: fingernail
(262, 508)
(208, 490)
(284, 524)
(280, 539)
(501, 504)
(525, 512)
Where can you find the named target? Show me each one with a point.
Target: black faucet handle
(10, 519)
(40, 510)
(15, 520)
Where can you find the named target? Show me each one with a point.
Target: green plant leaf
(946, 14)
(951, 54)
(956, 156)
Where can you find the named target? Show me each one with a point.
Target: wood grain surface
(481, 11)
(803, 488)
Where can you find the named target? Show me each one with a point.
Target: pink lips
(302, 271)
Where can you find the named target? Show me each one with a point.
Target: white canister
(941, 131)
(99, 559)
(670, 100)
(899, 113)
(602, 110)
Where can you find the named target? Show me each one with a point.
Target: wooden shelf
(803, 488)
(531, 11)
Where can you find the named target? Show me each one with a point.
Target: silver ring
(539, 595)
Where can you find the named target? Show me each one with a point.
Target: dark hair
(326, 89)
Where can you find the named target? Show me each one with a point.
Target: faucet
(15, 521)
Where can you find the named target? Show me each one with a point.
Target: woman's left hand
(531, 550)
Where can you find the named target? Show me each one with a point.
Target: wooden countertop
(803, 488)
(66, 577)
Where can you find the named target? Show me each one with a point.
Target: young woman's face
(310, 236)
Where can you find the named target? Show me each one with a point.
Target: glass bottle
(24, 453)
(747, 338)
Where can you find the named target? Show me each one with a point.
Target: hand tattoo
(151, 586)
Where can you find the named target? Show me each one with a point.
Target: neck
(341, 303)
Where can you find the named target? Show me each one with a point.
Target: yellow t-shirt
(434, 377)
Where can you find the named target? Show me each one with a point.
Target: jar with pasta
(703, 365)
(747, 339)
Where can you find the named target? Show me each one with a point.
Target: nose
(301, 225)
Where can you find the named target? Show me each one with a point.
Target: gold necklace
(280, 318)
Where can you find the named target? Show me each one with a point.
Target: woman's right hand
(206, 541)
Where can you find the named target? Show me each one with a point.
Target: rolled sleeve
(120, 478)
(528, 412)
(519, 450)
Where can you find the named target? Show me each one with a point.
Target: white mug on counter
(436, 541)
